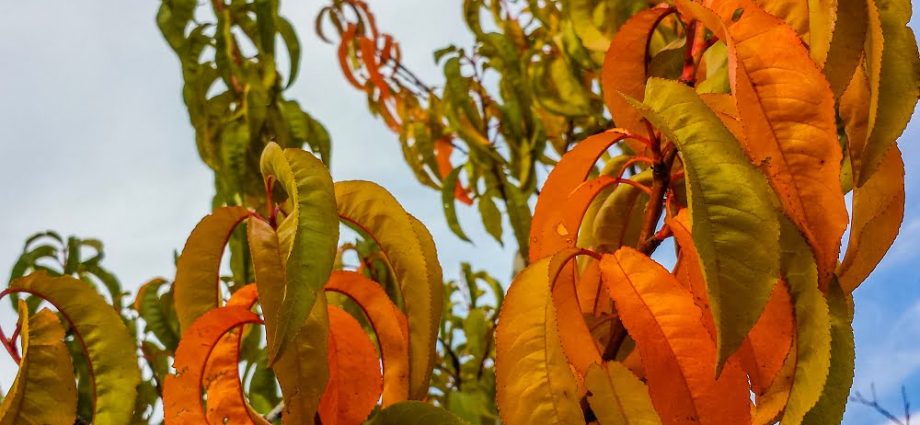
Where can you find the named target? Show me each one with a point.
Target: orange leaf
(878, 209)
(182, 390)
(389, 324)
(571, 171)
(677, 352)
(442, 150)
(765, 349)
(355, 381)
(625, 67)
(577, 341)
(226, 402)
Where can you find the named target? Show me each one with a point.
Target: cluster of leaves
(331, 366)
(734, 127)
(521, 94)
(743, 165)
(234, 90)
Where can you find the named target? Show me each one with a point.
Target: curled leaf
(355, 382)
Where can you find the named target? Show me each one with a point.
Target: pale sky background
(95, 142)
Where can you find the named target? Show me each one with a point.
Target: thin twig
(857, 397)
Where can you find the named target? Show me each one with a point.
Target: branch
(857, 397)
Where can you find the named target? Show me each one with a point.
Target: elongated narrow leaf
(221, 380)
(301, 371)
(617, 397)
(44, 391)
(533, 381)
(389, 325)
(736, 231)
(833, 401)
(787, 111)
(619, 219)
(182, 390)
(571, 171)
(764, 351)
(411, 255)
(198, 269)
(677, 352)
(106, 342)
(878, 209)
(355, 382)
(812, 326)
(894, 70)
(308, 235)
(448, 199)
(847, 44)
(624, 69)
(578, 344)
(414, 413)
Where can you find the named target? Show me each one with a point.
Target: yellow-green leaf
(414, 413)
(410, 253)
(106, 342)
(302, 370)
(309, 236)
(198, 269)
(894, 70)
(812, 326)
(878, 209)
(846, 46)
(533, 381)
(44, 391)
(833, 401)
(617, 397)
(736, 229)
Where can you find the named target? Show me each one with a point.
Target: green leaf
(44, 391)
(104, 337)
(414, 413)
(289, 36)
(736, 229)
(448, 201)
(491, 217)
(308, 236)
(833, 401)
(149, 307)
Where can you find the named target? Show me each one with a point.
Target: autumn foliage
(733, 130)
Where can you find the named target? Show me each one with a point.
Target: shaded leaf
(617, 397)
(414, 413)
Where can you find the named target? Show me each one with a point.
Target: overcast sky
(95, 142)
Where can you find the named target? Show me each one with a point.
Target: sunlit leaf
(677, 352)
(533, 381)
(617, 397)
(833, 401)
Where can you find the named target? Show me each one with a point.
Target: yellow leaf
(677, 352)
(533, 381)
(104, 337)
(411, 255)
(736, 231)
(309, 237)
(617, 397)
(44, 391)
(878, 209)
(198, 269)
(846, 45)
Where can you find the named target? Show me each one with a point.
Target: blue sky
(95, 141)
